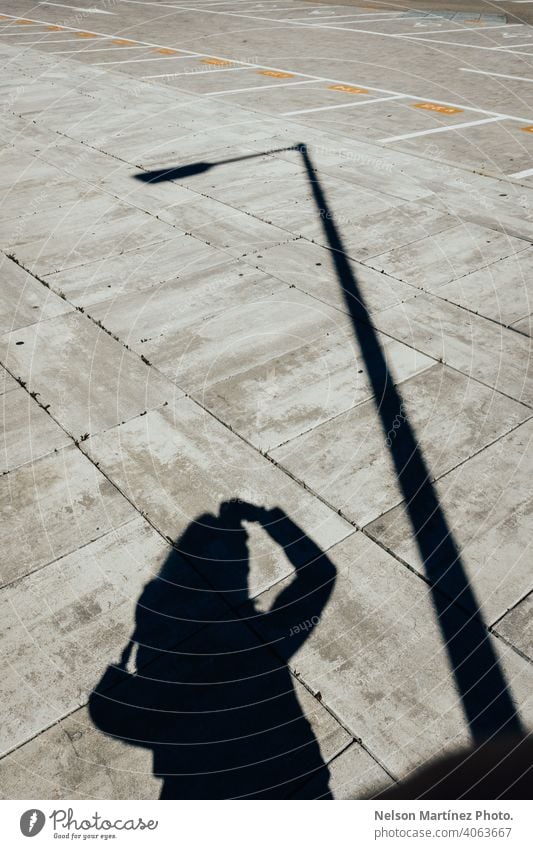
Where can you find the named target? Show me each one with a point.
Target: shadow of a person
(216, 703)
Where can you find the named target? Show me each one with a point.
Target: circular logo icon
(32, 822)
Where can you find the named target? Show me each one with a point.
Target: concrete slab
(83, 162)
(229, 133)
(27, 432)
(159, 199)
(488, 352)
(241, 170)
(255, 354)
(135, 270)
(438, 259)
(178, 463)
(25, 300)
(19, 168)
(313, 95)
(278, 400)
(302, 216)
(376, 657)
(52, 507)
(496, 148)
(87, 380)
(347, 462)
(243, 337)
(155, 141)
(31, 196)
(365, 236)
(486, 501)
(311, 268)
(170, 323)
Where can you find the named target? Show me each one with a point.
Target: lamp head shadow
(192, 169)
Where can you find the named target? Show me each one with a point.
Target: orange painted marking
(278, 74)
(216, 62)
(166, 51)
(123, 41)
(436, 107)
(54, 28)
(349, 89)
(527, 129)
(23, 21)
(85, 34)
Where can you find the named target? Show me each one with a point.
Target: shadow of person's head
(217, 547)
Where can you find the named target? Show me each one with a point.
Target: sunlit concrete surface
(267, 395)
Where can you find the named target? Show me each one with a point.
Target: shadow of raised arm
(298, 608)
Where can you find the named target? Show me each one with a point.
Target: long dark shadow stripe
(486, 699)
(485, 696)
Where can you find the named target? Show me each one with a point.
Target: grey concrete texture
(453, 418)
(62, 375)
(200, 319)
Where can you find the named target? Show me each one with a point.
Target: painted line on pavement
(494, 74)
(352, 103)
(439, 130)
(193, 73)
(259, 87)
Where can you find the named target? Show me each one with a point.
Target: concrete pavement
(254, 254)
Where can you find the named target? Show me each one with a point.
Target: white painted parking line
(508, 48)
(78, 9)
(197, 73)
(53, 41)
(439, 130)
(519, 174)
(143, 59)
(260, 87)
(344, 105)
(417, 96)
(494, 74)
(470, 30)
(98, 50)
